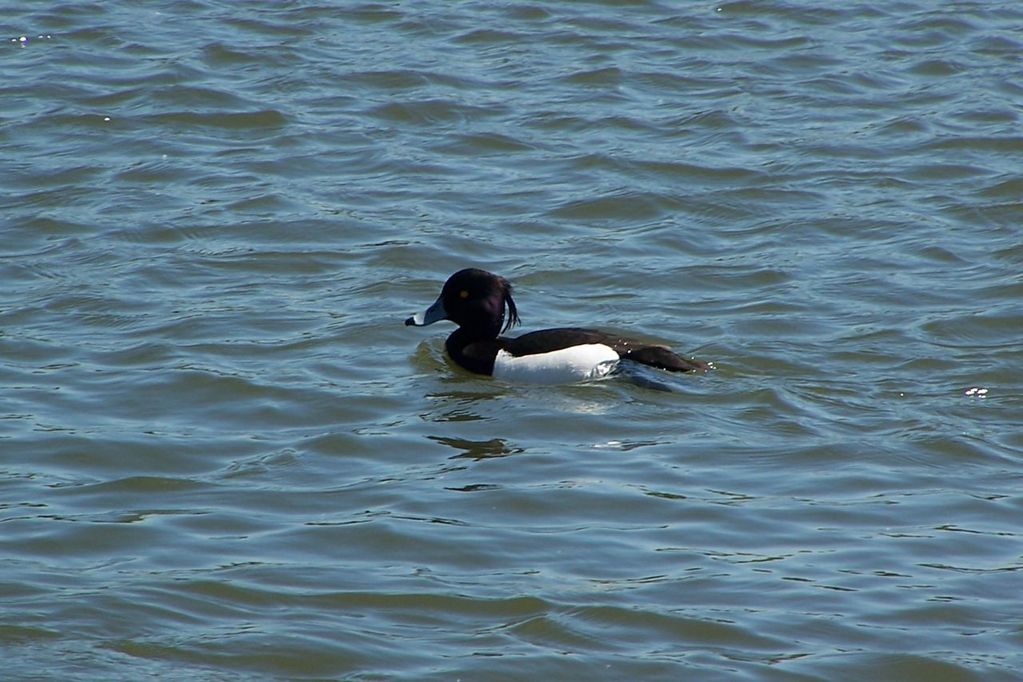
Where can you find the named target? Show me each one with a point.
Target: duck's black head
(475, 300)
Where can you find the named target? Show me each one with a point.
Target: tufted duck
(476, 300)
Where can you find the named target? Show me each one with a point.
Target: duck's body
(476, 300)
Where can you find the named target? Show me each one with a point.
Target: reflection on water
(495, 447)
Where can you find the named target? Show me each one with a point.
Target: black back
(548, 340)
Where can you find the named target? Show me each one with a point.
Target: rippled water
(224, 457)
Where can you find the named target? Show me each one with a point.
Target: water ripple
(226, 458)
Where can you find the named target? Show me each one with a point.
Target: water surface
(223, 456)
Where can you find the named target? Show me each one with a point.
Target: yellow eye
(463, 294)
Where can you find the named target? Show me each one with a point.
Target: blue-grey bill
(432, 314)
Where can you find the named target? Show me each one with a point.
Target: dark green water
(223, 457)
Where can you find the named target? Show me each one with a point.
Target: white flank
(578, 363)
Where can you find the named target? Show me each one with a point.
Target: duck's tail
(662, 358)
